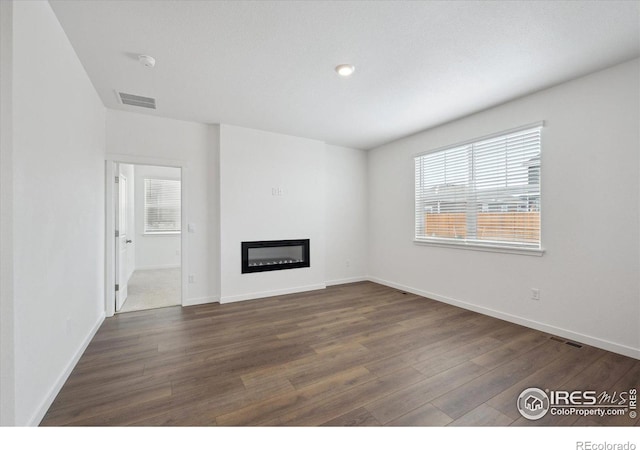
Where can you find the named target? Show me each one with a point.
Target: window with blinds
(481, 193)
(161, 206)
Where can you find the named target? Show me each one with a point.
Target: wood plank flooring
(360, 354)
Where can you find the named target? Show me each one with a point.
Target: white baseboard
(168, 266)
(567, 334)
(345, 281)
(55, 389)
(254, 295)
(200, 301)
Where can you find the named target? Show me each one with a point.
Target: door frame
(109, 267)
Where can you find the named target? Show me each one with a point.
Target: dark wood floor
(358, 354)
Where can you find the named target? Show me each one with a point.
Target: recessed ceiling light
(345, 70)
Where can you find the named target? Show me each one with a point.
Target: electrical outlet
(535, 294)
(347, 263)
(192, 278)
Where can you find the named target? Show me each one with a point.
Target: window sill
(161, 233)
(482, 248)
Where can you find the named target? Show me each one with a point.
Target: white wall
(156, 138)
(153, 251)
(346, 226)
(7, 355)
(58, 217)
(588, 277)
(252, 164)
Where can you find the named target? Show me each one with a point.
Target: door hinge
(117, 287)
(117, 233)
(117, 179)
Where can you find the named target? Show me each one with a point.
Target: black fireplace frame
(245, 246)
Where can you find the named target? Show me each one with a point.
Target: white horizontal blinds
(507, 171)
(442, 181)
(161, 206)
(485, 192)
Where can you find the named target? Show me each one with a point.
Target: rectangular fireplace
(262, 256)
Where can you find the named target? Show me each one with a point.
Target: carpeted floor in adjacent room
(149, 289)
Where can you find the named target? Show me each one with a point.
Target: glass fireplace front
(262, 256)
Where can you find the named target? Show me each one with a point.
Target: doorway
(148, 236)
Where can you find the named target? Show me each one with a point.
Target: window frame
(145, 230)
(476, 245)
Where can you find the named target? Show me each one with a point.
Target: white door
(122, 239)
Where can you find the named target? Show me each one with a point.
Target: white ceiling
(270, 65)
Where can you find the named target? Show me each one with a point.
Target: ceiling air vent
(136, 100)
